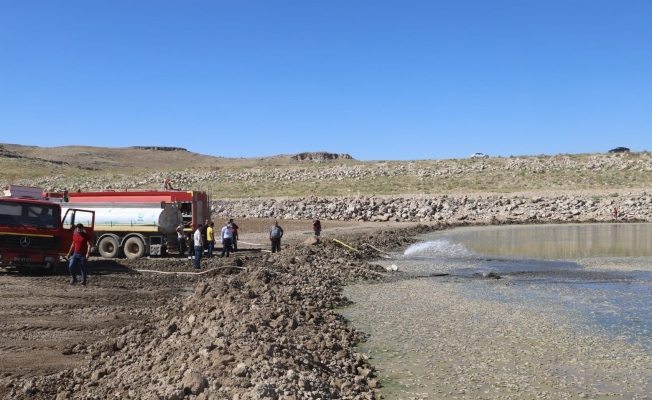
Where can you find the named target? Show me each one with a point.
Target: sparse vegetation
(279, 176)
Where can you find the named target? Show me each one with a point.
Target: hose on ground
(189, 273)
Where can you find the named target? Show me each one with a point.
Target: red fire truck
(33, 233)
(138, 223)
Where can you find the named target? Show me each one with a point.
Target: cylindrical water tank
(125, 217)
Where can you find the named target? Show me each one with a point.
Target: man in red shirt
(80, 250)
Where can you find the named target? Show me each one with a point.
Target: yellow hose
(345, 245)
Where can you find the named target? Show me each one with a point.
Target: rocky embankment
(268, 332)
(446, 208)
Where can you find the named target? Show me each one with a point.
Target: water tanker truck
(141, 222)
(132, 229)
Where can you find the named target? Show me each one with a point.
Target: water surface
(598, 277)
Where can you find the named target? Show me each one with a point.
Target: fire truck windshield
(15, 213)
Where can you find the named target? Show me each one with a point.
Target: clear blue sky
(380, 80)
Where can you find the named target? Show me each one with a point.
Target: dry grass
(98, 168)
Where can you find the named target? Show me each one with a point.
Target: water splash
(442, 248)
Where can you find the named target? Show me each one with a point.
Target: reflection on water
(548, 263)
(597, 275)
(549, 242)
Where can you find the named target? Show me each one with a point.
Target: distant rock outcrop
(320, 156)
(7, 153)
(158, 148)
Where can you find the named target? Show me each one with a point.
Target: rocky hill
(343, 177)
(21, 161)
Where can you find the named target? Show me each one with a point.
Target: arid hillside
(318, 174)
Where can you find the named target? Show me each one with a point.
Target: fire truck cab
(33, 233)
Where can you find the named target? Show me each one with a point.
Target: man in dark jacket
(275, 235)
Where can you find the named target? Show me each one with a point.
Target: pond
(577, 296)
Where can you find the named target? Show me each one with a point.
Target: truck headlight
(49, 258)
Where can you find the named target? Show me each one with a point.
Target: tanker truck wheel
(109, 247)
(134, 247)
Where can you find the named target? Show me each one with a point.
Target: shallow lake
(596, 277)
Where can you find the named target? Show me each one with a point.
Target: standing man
(234, 230)
(275, 235)
(210, 238)
(80, 250)
(615, 213)
(199, 246)
(316, 227)
(227, 237)
(204, 234)
(181, 238)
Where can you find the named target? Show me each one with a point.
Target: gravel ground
(253, 326)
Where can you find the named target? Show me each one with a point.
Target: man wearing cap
(80, 250)
(199, 245)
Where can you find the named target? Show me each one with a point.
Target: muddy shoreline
(271, 330)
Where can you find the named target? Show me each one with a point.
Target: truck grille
(30, 242)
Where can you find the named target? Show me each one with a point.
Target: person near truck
(234, 239)
(80, 250)
(275, 235)
(227, 237)
(210, 238)
(47, 219)
(199, 246)
(204, 234)
(182, 239)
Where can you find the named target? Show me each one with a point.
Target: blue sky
(380, 80)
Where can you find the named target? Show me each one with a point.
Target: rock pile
(425, 208)
(320, 156)
(267, 333)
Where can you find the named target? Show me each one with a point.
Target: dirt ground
(43, 317)
(255, 230)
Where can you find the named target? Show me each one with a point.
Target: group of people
(204, 237)
(203, 240)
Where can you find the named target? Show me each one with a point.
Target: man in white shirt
(199, 246)
(227, 236)
(181, 238)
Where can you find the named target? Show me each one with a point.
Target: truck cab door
(73, 217)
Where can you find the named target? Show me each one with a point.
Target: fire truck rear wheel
(134, 247)
(109, 247)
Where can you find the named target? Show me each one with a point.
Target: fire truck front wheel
(109, 247)
(134, 247)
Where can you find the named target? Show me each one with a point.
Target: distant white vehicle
(479, 155)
